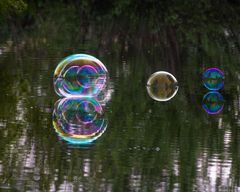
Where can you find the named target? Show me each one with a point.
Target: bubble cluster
(79, 120)
(213, 79)
(213, 102)
(162, 86)
(78, 75)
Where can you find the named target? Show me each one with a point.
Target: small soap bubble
(162, 86)
(213, 102)
(213, 79)
(78, 75)
(79, 120)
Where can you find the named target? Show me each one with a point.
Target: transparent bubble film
(213, 102)
(213, 79)
(162, 86)
(78, 75)
(79, 120)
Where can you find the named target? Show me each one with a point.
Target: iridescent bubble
(213, 79)
(79, 120)
(162, 86)
(79, 75)
(213, 102)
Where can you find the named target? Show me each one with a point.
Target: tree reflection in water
(148, 145)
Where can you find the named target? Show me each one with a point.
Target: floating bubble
(213, 79)
(78, 75)
(213, 102)
(162, 86)
(79, 120)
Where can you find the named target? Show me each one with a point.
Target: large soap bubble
(79, 75)
(79, 120)
(213, 102)
(162, 86)
(213, 79)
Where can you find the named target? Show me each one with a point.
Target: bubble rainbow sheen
(213, 79)
(79, 120)
(213, 102)
(162, 86)
(78, 75)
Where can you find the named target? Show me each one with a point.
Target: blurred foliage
(172, 12)
(11, 8)
(144, 139)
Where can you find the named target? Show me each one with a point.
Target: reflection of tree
(148, 145)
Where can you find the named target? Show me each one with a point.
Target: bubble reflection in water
(213, 102)
(79, 120)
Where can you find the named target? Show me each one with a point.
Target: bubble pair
(213, 80)
(84, 75)
(78, 117)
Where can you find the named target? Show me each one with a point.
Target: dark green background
(148, 145)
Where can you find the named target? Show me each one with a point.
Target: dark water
(147, 145)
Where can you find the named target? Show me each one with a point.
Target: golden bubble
(162, 86)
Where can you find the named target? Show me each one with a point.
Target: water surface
(147, 145)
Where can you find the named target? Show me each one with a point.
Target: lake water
(145, 145)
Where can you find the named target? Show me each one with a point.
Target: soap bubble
(162, 86)
(79, 120)
(213, 102)
(78, 75)
(213, 79)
